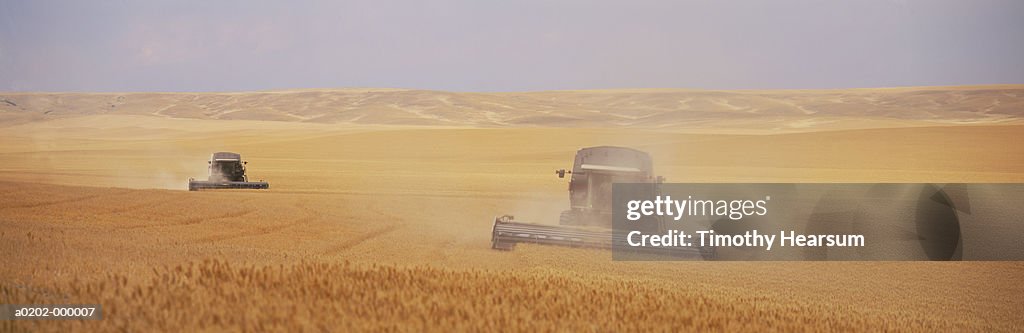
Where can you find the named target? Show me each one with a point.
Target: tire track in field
(69, 200)
(352, 242)
(360, 239)
(309, 215)
(197, 220)
(158, 202)
(257, 231)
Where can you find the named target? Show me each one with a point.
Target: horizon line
(298, 90)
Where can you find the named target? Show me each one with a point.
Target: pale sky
(492, 45)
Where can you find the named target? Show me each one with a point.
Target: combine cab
(591, 178)
(588, 221)
(226, 171)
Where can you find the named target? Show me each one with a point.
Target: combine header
(226, 171)
(588, 221)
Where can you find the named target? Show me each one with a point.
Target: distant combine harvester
(226, 171)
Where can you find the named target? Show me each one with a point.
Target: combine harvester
(588, 222)
(226, 171)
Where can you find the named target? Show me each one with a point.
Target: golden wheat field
(381, 220)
